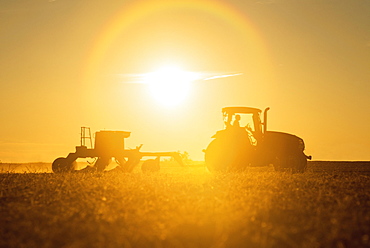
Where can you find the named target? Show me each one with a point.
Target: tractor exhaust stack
(265, 120)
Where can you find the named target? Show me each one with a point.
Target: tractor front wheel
(62, 165)
(279, 163)
(296, 162)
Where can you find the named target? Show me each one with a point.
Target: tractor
(108, 145)
(236, 146)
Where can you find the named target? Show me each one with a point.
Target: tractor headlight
(301, 145)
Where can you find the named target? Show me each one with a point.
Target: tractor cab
(246, 118)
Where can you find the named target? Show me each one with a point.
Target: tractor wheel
(102, 163)
(216, 158)
(150, 165)
(61, 165)
(298, 163)
(279, 163)
(226, 156)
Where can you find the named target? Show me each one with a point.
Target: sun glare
(169, 85)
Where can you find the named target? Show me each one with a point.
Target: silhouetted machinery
(108, 145)
(236, 147)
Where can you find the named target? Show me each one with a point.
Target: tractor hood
(280, 139)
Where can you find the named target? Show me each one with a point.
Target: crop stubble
(328, 206)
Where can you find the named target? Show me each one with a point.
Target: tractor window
(246, 120)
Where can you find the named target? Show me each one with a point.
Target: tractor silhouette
(235, 147)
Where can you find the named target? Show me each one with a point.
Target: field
(328, 206)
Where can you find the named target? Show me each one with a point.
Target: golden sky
(66, 64)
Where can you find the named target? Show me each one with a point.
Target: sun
(169, 85)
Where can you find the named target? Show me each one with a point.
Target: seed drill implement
(108, 145)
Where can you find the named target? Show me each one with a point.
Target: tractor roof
(241, 110)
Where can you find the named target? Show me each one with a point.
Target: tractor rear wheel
(61, 165)
(216, 158)
(227, 156)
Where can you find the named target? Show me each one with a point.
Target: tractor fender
(219, 134)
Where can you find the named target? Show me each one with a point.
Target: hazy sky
(67, 63)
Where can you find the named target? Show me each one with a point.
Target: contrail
(223, 76)
(202, 76)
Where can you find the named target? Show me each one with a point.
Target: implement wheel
(62, 165)
(102, 163)
(150, 165)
